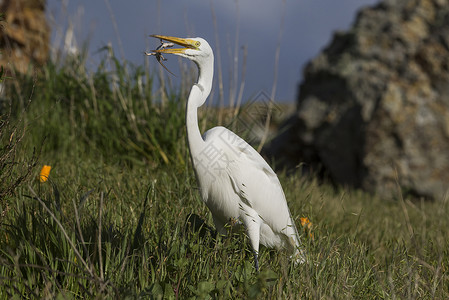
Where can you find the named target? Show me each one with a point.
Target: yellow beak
(186, 43)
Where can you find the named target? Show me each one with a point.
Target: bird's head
(195, 49)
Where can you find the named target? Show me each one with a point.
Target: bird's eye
(197, 44)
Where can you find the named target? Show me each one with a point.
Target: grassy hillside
(110, 222)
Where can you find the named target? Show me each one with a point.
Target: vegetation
(110, 222)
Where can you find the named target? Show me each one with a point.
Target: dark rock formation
(373, 109)
(24, 38)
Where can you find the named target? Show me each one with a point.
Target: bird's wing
(253, 179)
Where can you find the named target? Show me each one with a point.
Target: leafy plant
(13, 171)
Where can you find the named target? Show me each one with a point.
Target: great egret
(236, 183)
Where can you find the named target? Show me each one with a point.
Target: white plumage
(236, 183)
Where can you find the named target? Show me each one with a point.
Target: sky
(297, 29)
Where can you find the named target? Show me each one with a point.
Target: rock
(24, 38)
(373, 108)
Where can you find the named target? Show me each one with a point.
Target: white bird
(236, 183)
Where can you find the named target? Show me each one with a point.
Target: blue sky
(307, 27)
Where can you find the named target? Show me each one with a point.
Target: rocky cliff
(24, 38)
(373, 109)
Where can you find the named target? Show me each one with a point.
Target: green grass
(111, 220)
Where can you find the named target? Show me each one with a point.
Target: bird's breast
(219, 196)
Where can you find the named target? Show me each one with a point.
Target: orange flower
(45, 172)
(307, 226)
(305, 221)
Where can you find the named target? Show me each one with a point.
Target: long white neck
(198, 95)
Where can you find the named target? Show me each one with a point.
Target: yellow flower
(307, 226)
(45, 172)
